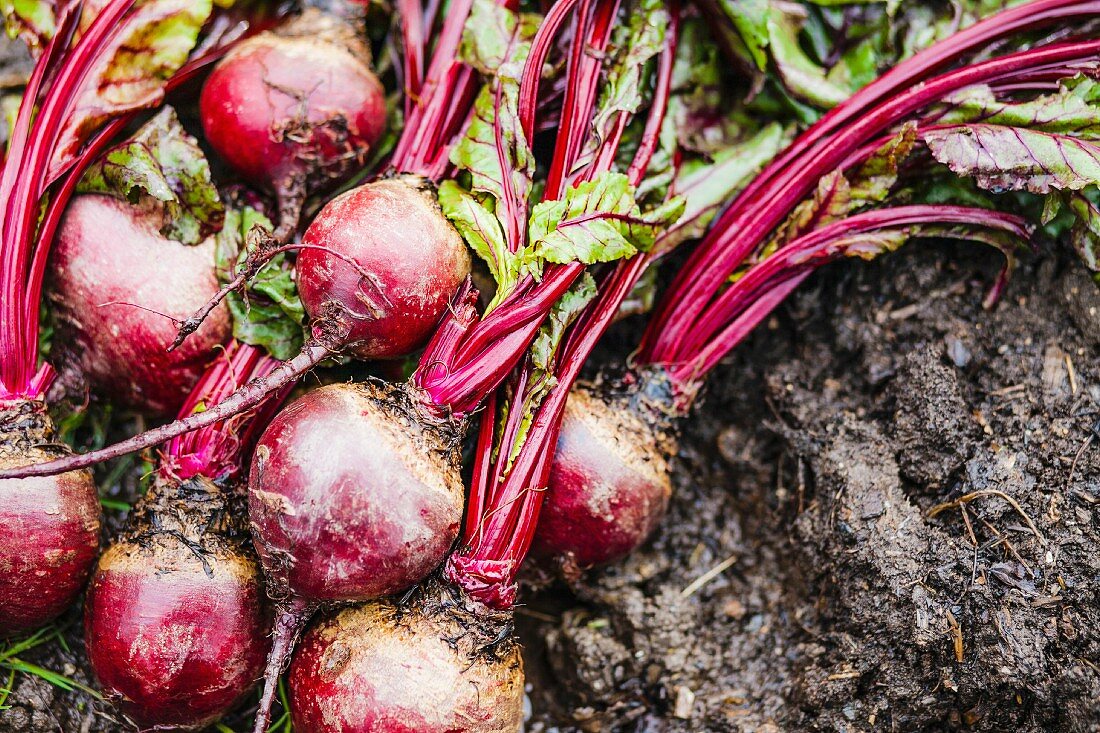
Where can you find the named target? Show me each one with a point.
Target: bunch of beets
(359, 257)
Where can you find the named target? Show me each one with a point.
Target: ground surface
(811, 474)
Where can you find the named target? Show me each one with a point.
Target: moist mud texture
(810, 472)
(816, 472)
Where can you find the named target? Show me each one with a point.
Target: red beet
(175, 624)
(351, 497)
(116, 283)
(51, 524)
(295, 110)
(609, 484)
(385, 262)
(437, 665)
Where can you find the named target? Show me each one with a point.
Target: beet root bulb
(295, 111)
(384, 263)
(351, 497)
(175, 622)
(49, 526)
(116, 285)
(609, 484)
(433, 666)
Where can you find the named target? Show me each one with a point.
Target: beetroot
(295, 110)
(435, 665)
(50, 524)
(116, 285)
(184, 560)
(352, 497)
(383, 261)
(610, 482)
(175, 623)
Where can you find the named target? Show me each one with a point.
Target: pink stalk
(506, 494)
(905, 77)
(729, 243)
(215, 451)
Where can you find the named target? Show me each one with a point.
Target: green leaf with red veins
(489, 40)
(596, 221)
(1073, 110)
(163, 167)
(269, 313)
(494, 150)
(472, 216)
(624, 88)
(1003, 158)
(31, 20)
(153, 44)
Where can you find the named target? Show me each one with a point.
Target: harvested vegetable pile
(619, 365)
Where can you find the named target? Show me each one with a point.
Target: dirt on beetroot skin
(876, 495)
(880, 497)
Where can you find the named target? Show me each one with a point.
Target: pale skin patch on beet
(175, 624)
(610, 482)
(119, 288)
(380, 667)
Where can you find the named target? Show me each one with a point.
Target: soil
(890, 496)
(883, 479)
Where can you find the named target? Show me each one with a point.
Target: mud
(881, 483)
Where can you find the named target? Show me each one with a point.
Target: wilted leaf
(1002, 158)
(162, 163)
(130, 74)
(1073, 110)
(624, 90)
(269, 314)
(33, 21)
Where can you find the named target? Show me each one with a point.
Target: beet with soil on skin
(385, 262)
(116, 284)
(175, 622)
(440, 664)
(609, 483)
(51, 524)
(295, 110)
(351, 497)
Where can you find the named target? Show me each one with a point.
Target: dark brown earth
(812, 472)
(881, 395)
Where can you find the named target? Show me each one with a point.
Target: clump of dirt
(895, 495)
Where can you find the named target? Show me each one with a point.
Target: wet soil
(885, 520)
(880, 497)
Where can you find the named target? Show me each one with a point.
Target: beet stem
(243, 399)
(290, 619)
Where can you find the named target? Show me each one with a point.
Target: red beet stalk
(792, 175)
